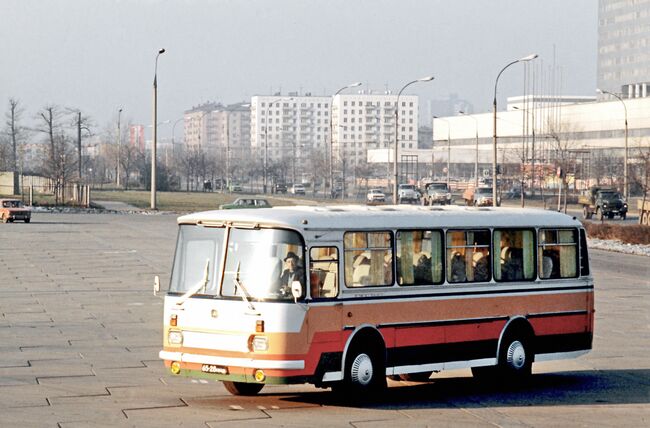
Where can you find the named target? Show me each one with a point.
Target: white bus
(346, 296)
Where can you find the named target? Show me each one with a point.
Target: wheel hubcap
(516, 355)
(362, 370)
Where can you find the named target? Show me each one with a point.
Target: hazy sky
(98, 55)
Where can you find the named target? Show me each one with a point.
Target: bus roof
(383, 217)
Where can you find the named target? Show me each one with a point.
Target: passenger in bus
(512, 268)
(293, 272)
(481, 265)
(422, 271)
(458, 272)
(547, 267)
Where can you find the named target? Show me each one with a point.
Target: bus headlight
(259, 343)
(175, 337)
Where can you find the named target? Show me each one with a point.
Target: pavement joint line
(39, 378)
(135, 409)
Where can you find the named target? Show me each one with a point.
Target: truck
(644, 212)
(407, 193)
(604, 202)
(436, 193)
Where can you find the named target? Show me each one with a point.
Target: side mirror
(156, 285)
(296, 290)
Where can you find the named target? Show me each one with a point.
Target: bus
(346, 296)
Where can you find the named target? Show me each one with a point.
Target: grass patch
(629, 234)
(176, 201)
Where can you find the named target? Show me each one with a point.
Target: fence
(37, 190)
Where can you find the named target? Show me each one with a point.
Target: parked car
(437, 193)
(298, 189)
(280, 188)
(236, 188)
(407, 193)
(375, 195)
(246, 203)
(13, 209)
(479, 197)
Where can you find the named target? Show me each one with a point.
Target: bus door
(325, 313)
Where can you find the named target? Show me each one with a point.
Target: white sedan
(376, 195)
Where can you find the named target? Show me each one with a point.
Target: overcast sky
(98, 56)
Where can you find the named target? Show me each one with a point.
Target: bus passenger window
(419, 257)
(468, 256)
(368, 258)
(516, 250)
(324, 272)
(558, 253)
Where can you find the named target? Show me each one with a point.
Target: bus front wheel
(242, 388)
(365, 372)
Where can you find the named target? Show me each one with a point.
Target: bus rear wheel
(515, 357)
(242, 388)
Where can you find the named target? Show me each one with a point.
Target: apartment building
(366, 121)
(215, 128)
(289, 129)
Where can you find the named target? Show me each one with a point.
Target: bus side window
(324, 272)
(419, 257)
(368, 259)
(468, 256)
(516, 250)
(558, 253)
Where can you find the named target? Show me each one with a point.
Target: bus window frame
(488, 246)
(576, 244)
(443, 257)
(391, 247)
(338, 271)
(535, 257)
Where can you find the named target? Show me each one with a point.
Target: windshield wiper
(202, 284)
(246, 296)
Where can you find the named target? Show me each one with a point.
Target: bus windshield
(260, 264)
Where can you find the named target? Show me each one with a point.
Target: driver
(293, 272)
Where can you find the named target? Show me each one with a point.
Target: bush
(629, 234)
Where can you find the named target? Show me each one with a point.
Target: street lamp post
(395, 152)
(331, 154)
(625, 160)
(448, 148)
(532, 157)
(154, 132)
(476, 155)
(494, 139)
(119, 148)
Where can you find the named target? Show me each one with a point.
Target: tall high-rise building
(213, 127)
(624, 47)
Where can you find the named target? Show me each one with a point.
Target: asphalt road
(80, 332)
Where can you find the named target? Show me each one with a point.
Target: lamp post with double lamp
(154, 132)
(448, 148)
(119, 148)
(625, 178)
(476, 154)
(331, 154)
(494, 140)
(396, 149)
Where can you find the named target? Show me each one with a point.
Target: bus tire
(242, 388)
(365, 371)
(515, 356)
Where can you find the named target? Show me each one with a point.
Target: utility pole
(79, 141)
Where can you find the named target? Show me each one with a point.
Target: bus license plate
(211, 368)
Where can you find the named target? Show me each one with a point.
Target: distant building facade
(624, 47)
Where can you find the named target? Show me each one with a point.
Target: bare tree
(80, 123)
(58, 162)
(563, 140)
(14, 131)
